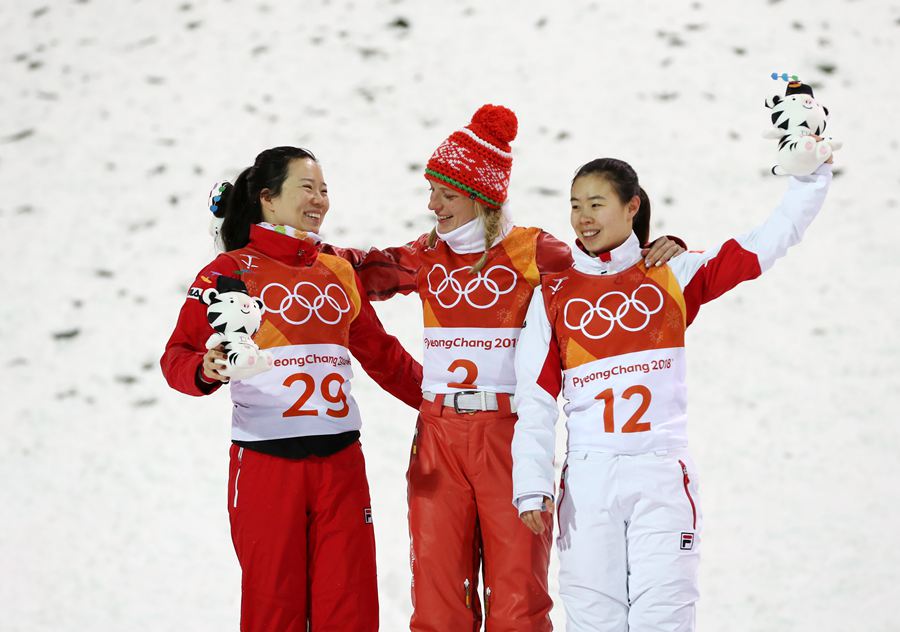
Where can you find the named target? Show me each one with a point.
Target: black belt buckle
(456, 405)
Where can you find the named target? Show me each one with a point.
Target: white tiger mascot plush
(795, 118)
(236, 316)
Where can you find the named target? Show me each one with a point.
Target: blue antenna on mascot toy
(784, 77)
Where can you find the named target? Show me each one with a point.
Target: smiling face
(451, 208)
(601, 220)
(303, 200)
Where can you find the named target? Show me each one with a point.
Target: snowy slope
(117, 116)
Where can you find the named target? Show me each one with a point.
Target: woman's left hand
(660, 252)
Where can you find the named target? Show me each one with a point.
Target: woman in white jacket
(609, 332)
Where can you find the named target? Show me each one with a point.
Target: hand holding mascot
(797, 118)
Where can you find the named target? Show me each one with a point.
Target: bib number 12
(634, 423)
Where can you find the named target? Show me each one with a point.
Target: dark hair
(239, 204)
(624, 181)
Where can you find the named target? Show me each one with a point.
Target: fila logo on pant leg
(687, 541)
(367, 513)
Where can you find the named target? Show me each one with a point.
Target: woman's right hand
(533, 519)
(211, 368)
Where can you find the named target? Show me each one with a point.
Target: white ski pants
(629, 542)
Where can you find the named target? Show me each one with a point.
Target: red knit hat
(476, 160)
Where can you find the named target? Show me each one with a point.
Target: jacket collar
(469, 238)
(612, 262)
(285, 244)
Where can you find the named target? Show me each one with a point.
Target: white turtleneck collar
(612, 262)
(469, 238)
(290, 231)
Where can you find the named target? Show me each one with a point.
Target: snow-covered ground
(116, 116)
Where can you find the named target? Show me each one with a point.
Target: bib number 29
(331, 392)
(634, 423)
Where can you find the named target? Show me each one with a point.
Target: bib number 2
(471, 374)
(634, 423)
(331, 392)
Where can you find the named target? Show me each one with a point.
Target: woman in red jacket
(298, 497)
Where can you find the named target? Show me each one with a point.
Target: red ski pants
(304, 538)
(461, 517)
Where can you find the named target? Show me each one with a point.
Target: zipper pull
(468, 593)
(487, 601)
(415, 446)
(684, 471)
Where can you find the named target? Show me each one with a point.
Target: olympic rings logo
(328, 305)
(449, 290)
(617, 316)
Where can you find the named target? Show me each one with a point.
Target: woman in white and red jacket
(298, 498)
(609, 332)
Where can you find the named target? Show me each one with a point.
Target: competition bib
(307, 392)
(465, 359)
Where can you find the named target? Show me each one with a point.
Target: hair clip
(784, 77)
(215, 195)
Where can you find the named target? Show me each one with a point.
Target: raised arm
(383, 357)
(538, 382)
(384, 273)
(704, 276)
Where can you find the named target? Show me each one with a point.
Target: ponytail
(641, 221)
(239, 203)
(492, 220)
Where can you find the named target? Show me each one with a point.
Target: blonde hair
(492, 223)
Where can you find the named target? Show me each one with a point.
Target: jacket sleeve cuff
(530, 502)
(200, 382)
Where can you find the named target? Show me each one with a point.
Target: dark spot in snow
(126, 379)
(399, 23)
(144, 403)
(665, 96)
(103, 273)
(67, 334)
(368, 52)
(562, 135)
(828, 69)
(414, 166)
(541, 23)
(738, 50)
(545, 191)
(39, 12)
